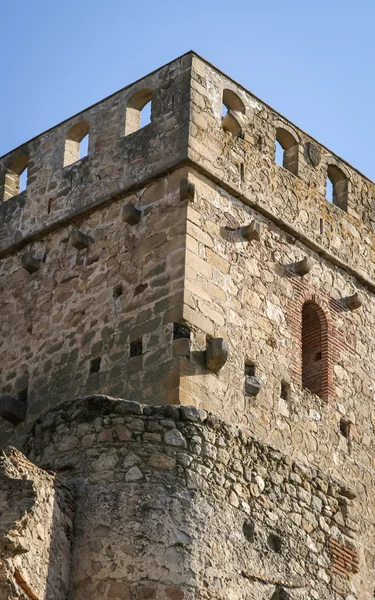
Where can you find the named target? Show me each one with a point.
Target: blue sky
(311, 61)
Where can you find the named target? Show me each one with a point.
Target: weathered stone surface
(304, 266)
(79, 240)
(187, 261)
(252, 231)
(216, 354)
(131, 214)
(184, 501)
(30, 262)
(354, 301)
(173, 437)
(252, 385)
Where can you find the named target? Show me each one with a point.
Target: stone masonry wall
(159, 253)
(88, 304)
(248, 293)
(114, 165)
(246, 166)
(35, 531)
(173, 503)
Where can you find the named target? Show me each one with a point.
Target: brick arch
(314, 348)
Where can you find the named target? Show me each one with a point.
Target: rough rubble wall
(35, 531)
(248, 293)
(92, 303)
(173, 503)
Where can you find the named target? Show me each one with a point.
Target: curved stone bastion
(172, 503)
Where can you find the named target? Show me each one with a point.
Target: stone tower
(187, 391)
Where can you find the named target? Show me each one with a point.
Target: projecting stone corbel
(252, 385)
(216, 354)
(187, 190)
(251, 231)
(131, 214)
(355, 301)
(12, 409)
(304, 266)
(30, 263)
(181, 347)
(79, 240)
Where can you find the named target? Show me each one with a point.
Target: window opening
(346, 428)
(274, 543)
(76, 143)
(279, 154)
(138, 111)
(95, 365)
(231, 110)
(284, 390)
(249, 369)
(337, 187)
(180, 331)
(313, 334)
(136, 348)
(286, 151)
(16, 177)
(84, 147)
(23, 180)
(146, 115)
(118, 291)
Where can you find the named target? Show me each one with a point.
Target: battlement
(187, 127)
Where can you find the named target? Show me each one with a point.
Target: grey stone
(174, 437)
(251, 231)
(252, 385)
(79, 240)
(30, 263)
(131, 214)
(128, 407)
(192, 414)
(134, 474)
(304, 266)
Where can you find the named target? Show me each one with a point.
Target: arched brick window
(16, 177)
(138, 111)
(337, 187)
(76, 143)
(232, 109)
(314, 349)
(286, 154)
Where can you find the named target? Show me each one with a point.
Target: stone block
(252, 385)
(30, 263)
(12, 409)
(251, 231)
(79, 240)
(181, 347)
(131, 214)
(216, 354)
(304, 266)
(355, 301)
